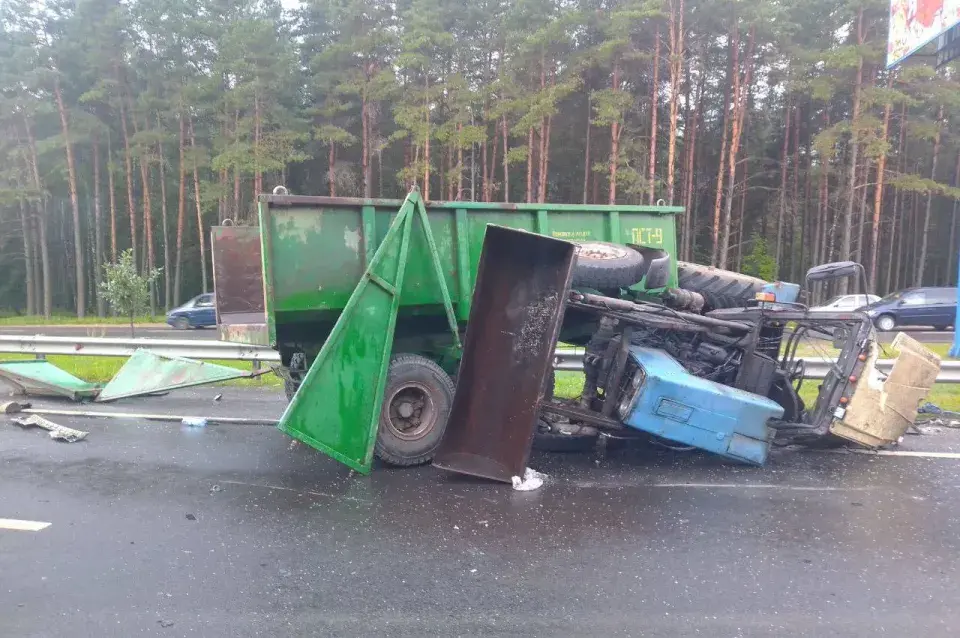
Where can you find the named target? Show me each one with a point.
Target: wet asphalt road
(231, 531)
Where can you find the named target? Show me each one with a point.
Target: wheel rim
(886, 324)
(411, 411)
(601, 251)
(182, 323)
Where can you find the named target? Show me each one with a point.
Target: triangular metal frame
(337, 407)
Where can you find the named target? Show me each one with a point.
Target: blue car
(935, 307)
(199, 312)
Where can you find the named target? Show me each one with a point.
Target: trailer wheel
(416, 406)
(606, 266)
(720, 288)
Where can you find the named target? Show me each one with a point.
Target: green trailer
(405, 272)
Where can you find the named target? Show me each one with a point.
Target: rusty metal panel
(881, 409)
(238, 283)
(515, 317)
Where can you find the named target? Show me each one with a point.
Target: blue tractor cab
(665, 400)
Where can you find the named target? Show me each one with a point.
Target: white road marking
(922, 455)
(722, 486)
(23, 526)
(290, 489)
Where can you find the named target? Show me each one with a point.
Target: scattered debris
(39, 377)
(13, 407)
(532, 480)
(57, 432)
(165, 623)
(194, 422)
(191, 517)
(149, 373)
(217, 398)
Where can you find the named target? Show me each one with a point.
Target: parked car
(199, 312)
(846, 302)
(935, 307)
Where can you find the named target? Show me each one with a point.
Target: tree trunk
(676, 67)
(128, 166)
(181, 208)
(332, 161)
(796, 227)
(782, 207)
(545, 160)
(690, 199)
(74, 202)
(257, 173)
(854, 151)
(365, 145)
(506, 163)
(924, 237)
(586, 152)
(97, 228)
(113, 201)
(45, 290)
(614, 141)
(147, 222)
(196, 193)
(529, 166)
(426, 140)
(654, 94)
(742, 85)
(28, 259)
(167, 279)
(488, 185)
(734, 68)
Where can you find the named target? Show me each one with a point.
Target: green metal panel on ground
(315, 249)
(147, 373)
(40, 377)
(337, 407)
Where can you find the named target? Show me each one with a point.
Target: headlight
(631, 392)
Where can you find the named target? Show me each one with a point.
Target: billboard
(915, 23)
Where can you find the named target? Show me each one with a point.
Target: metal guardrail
(110, 347)
(566, 360)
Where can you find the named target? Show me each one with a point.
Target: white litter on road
(23, 526)
(532, 480)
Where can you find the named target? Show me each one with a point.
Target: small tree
(126, 290)
(760, 263)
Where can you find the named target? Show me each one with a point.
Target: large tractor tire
(720, 288)
(605, 266)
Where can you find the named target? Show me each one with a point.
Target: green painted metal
(337, 407)
(39, 377)
(146, 372)
(316, 249)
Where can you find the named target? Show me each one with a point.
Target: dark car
(199, 312)
(935, 307)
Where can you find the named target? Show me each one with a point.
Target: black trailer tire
(605, 266)
(720, 288)
(416, 405)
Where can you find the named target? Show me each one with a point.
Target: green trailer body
(316, 249)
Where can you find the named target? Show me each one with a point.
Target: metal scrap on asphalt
(57, 432)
